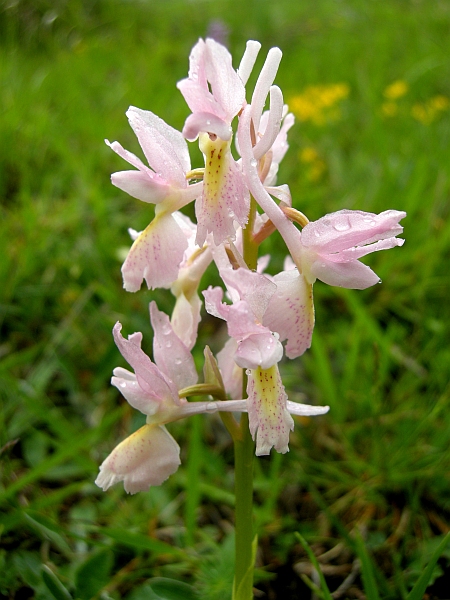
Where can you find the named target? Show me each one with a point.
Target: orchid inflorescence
(237, 206)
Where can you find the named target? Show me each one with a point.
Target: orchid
(157, 252)
(225, 196)
(150, 455)
(264, 313)
(333, 244)
(269, 318)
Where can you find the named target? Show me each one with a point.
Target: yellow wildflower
(318, 103)
(308, 154)
(396, 90)
(440, 102)
(427, 112)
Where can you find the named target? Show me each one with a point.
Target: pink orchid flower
(215, 94)
(150, 455)
(332, 245)
(158, 251)
(260, 305)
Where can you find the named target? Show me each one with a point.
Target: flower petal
(259, 350)
(352, 275)
(127, 384)
(170, 354)
(291, 312)
(269, 418)
(226, 85)
(152, 381)
(141, 185)
(155, 255)
(208, 123)
(347, 228)
(232, 374)
(255, 288)
(225, 197)
(147, 457)
(164, 147)
(185, 319)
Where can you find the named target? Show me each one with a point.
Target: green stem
(243, 457)
(193, 474)
(244, 450)
(250, 247)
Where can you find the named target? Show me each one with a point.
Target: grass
(369, 480)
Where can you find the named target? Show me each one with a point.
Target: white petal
(147, 457)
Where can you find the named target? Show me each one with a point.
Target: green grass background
(378, 463)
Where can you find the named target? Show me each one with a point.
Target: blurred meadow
(366, 485)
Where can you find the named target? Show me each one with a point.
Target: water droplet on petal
(342, 225)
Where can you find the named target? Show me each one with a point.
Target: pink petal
(248, 60)
(225, 197)
(232, 375)
(226, 85)
(128, 386)
(265, 80)
(242, 322)
(281, 146)
(186, 318)
(272, 127)
(141, 185)
(147, 457)
(170, 354)
(151, 380)
(206, 122)
(213, 303)
(346, 228)
(291, 312)
(259, 350)
(200, 100)
(155, 255)
(359, 251)
(197, 70)
(164, 147)
(353, 275)
(255, 288)
(129, 157)
(269, 419)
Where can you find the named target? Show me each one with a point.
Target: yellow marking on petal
(267, 389)
(132, 450)
(216, 154)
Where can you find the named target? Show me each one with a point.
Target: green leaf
(28, 564)
(421, 584)
(48, 530)
(139, 541)
(93, 574)
(170, 589)
(53, 584)
(323, 584)
(162, 588)
(367, 571)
